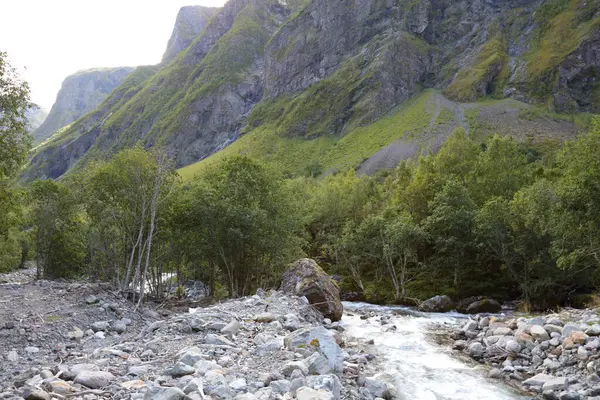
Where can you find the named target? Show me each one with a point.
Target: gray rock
(513, 347)
(555, 384)
(553, 329)
(218, 340)
(12, 356)
(100, 326)
(31, 350)
(437, 304)
(568, 329)
(294, 365)
(476, 350)
(538, 380)
(197, 324)
(91, 299)
(281, 386)
(194, 385)
(94, 379)
(306, 393)
(190, 358)
(231, 328)
(318, 364)
(265, 318)
(179, 370)
(593, 330)
(119, 327)
(324, 341)
(238, 384)
(164, 393)
(330, 383)
(539, 333)
(495, 373)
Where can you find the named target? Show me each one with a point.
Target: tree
(14, 137)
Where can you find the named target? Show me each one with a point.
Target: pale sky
(50, 39)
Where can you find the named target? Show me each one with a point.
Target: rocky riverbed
(72, 340)
(556, 356)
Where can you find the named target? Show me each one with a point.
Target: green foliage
(484, 75)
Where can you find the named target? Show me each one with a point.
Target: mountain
(80, 93)
(190, 23)
(323, 85)
(35, 116)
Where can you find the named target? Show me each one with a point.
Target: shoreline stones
(557, 356)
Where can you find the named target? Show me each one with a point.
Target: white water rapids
(421, 369)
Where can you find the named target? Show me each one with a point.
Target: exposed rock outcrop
(190, 23)
(306, 278)
(80, 93)
(437, 304)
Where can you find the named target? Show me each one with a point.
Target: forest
(485, 215)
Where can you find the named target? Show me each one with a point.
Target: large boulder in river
(306, 278)
(437, 304)
(477, 305)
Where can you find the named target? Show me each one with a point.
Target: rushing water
(421, 369)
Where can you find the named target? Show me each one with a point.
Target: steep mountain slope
(297, 79)
(190, 23)
(80, 93)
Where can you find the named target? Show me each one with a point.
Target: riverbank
(556, 356)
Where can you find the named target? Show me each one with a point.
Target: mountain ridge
(312, 69)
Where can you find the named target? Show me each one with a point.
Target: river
(422, 370)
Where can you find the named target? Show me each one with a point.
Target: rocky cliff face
(318, 71)
(81, 93)
(35, 117)
(190, 23)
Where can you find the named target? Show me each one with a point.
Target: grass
(562, 26)
(487, 72)
(296, 156)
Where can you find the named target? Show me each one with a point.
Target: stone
(280, 386)
(593, 330)
(495, 373)
(134, 384)
(238, 384)
(470, 325)
(36, 394)
(119, 327)
(197, 324)
(578, 337)
(538, 380)
(437, 304)
(306, 393)
(137, 370)
(31, 350)
(215, 377)
(553, 328)
(231, 328)
(484, 306)
(91, 299)
(513, 347)
(76, 334)
(100, 326)
(475, 350)
(12, 356)
(539, 333)
(265, 318)
(582, 353)
(94, 379)
(219, 340)
(376, 387)
(330, 383)
(294, 365)
(190, 358)
(164, 393)
(568, 329)
(555, 384)
(324, 342)
(318, 364)
(180, 369)
(59, 386)
(194, 385)
(502, 331)
(306, 278)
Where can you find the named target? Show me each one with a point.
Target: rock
(215, 377)
(218, 340)
(484, 322)
(31, 350)
(59, 386)
(323, 341)
(306, 278)
(294, 365)
(12, 356)
(119, 327)
(100, 326)
(555, 384)
(281, 386)
(513, 347)
(36, 394)
(475, 350)
(231, 328)
(376, 387)
(578, 337)
(484, 306)
(553, 328)
(593, 330)
(568, 329)
(91, 299)
(495, 373)
(76, 334)
(134, 384)
(306, 393)
(180, 369)
(437, 304)
(197, 324)
(539, 333)
(470, 325)
(582, 353)
(265, 318)
(194, 385)
(318, 364)
(330, 383)
(164, 393)
(538, 380)
(238, 384)
(94, 379)
(137, 370)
